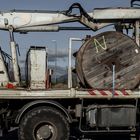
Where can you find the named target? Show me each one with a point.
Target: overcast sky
(45, 39)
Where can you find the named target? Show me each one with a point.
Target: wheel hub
(44, 132)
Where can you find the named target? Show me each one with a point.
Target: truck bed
(67, 94)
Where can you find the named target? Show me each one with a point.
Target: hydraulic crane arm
(25, 19)
(29, 20)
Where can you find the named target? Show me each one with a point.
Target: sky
(45, 39)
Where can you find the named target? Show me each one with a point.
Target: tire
(44, 123)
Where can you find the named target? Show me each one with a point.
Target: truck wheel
(44, 123)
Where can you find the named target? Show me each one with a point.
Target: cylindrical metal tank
(96, 57)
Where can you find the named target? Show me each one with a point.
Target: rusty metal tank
(97, 56)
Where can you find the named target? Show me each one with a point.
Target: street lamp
(55, 45)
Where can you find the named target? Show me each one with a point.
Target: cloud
(61, 53)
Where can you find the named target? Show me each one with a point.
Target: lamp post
(55, 48)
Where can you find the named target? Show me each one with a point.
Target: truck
(106, 99)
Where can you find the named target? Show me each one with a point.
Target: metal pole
(137, 34)
(69, 61)
(14, 57)
(55, 45)
(113, 79)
